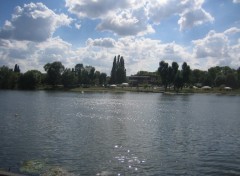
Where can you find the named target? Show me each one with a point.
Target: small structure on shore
(124, 84)
(113, 86)
(227, 88)
(206, 88)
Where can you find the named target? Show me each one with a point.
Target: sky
(203, 33)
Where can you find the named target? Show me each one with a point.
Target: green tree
(92, 75)
(231, 80)
(114, 71)
(174, 73)
(186, 71)
(207, 80)
(197, 76)
(178, 83)
(78, 72)
(238, 76)
(163, 72)
(30, 80)
(16, 68)
(85, 77)
(220, 80)
(102, 78)
(54, 72)
(68, 78)
(118, 73)
(96, 77)
(8, 78)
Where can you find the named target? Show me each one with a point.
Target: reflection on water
(121, 133)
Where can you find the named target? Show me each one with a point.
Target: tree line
(56, 74)
(214, 77)
(169, 75)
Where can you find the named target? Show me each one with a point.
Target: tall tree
(178, 83)
(174, 73)
(186, 71)
(78, 72)
(118, 73)
(16, 68)
(92, 75)
(54, 72)
(114, 71)
(163, 72)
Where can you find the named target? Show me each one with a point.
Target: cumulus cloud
(33, 22)
(232, 31)
(193, 18)
(236, 1)
(139, 53)
(94, 8)
(102, 42)
(33, 55)
(190, 12)
(127, 23)
(135, 17)
(77, 25)
(217, 48)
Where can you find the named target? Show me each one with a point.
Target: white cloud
(232, 31)
(102, 42)
(94, 8)
(139, 54)
(194, 18)
(77, 25)
(127, 23)
(31, 55)
(135, 17)
(217, 49)
(33, 22)
(236, 1)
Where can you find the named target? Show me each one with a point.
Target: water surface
(121, 133)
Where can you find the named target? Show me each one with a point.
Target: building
(136, 80)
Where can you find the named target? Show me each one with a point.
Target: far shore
(148, 90)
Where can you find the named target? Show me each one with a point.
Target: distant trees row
(168, 76)
(79, 75)
(215, 76)
(56, 74)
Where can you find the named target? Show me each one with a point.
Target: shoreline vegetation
(120, 89)
(168, 78)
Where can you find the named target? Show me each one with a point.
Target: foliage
(68, 78)
(8, 78)
(186, 71)
(54, 71)
(163, 70)
(16, 68)
(103, 79)
(118, 73)
(170, 75)
(30, 80)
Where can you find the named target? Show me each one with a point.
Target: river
(121, 133)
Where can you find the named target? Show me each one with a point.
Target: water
(121, 133)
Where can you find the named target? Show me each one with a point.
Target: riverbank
(155, 90)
